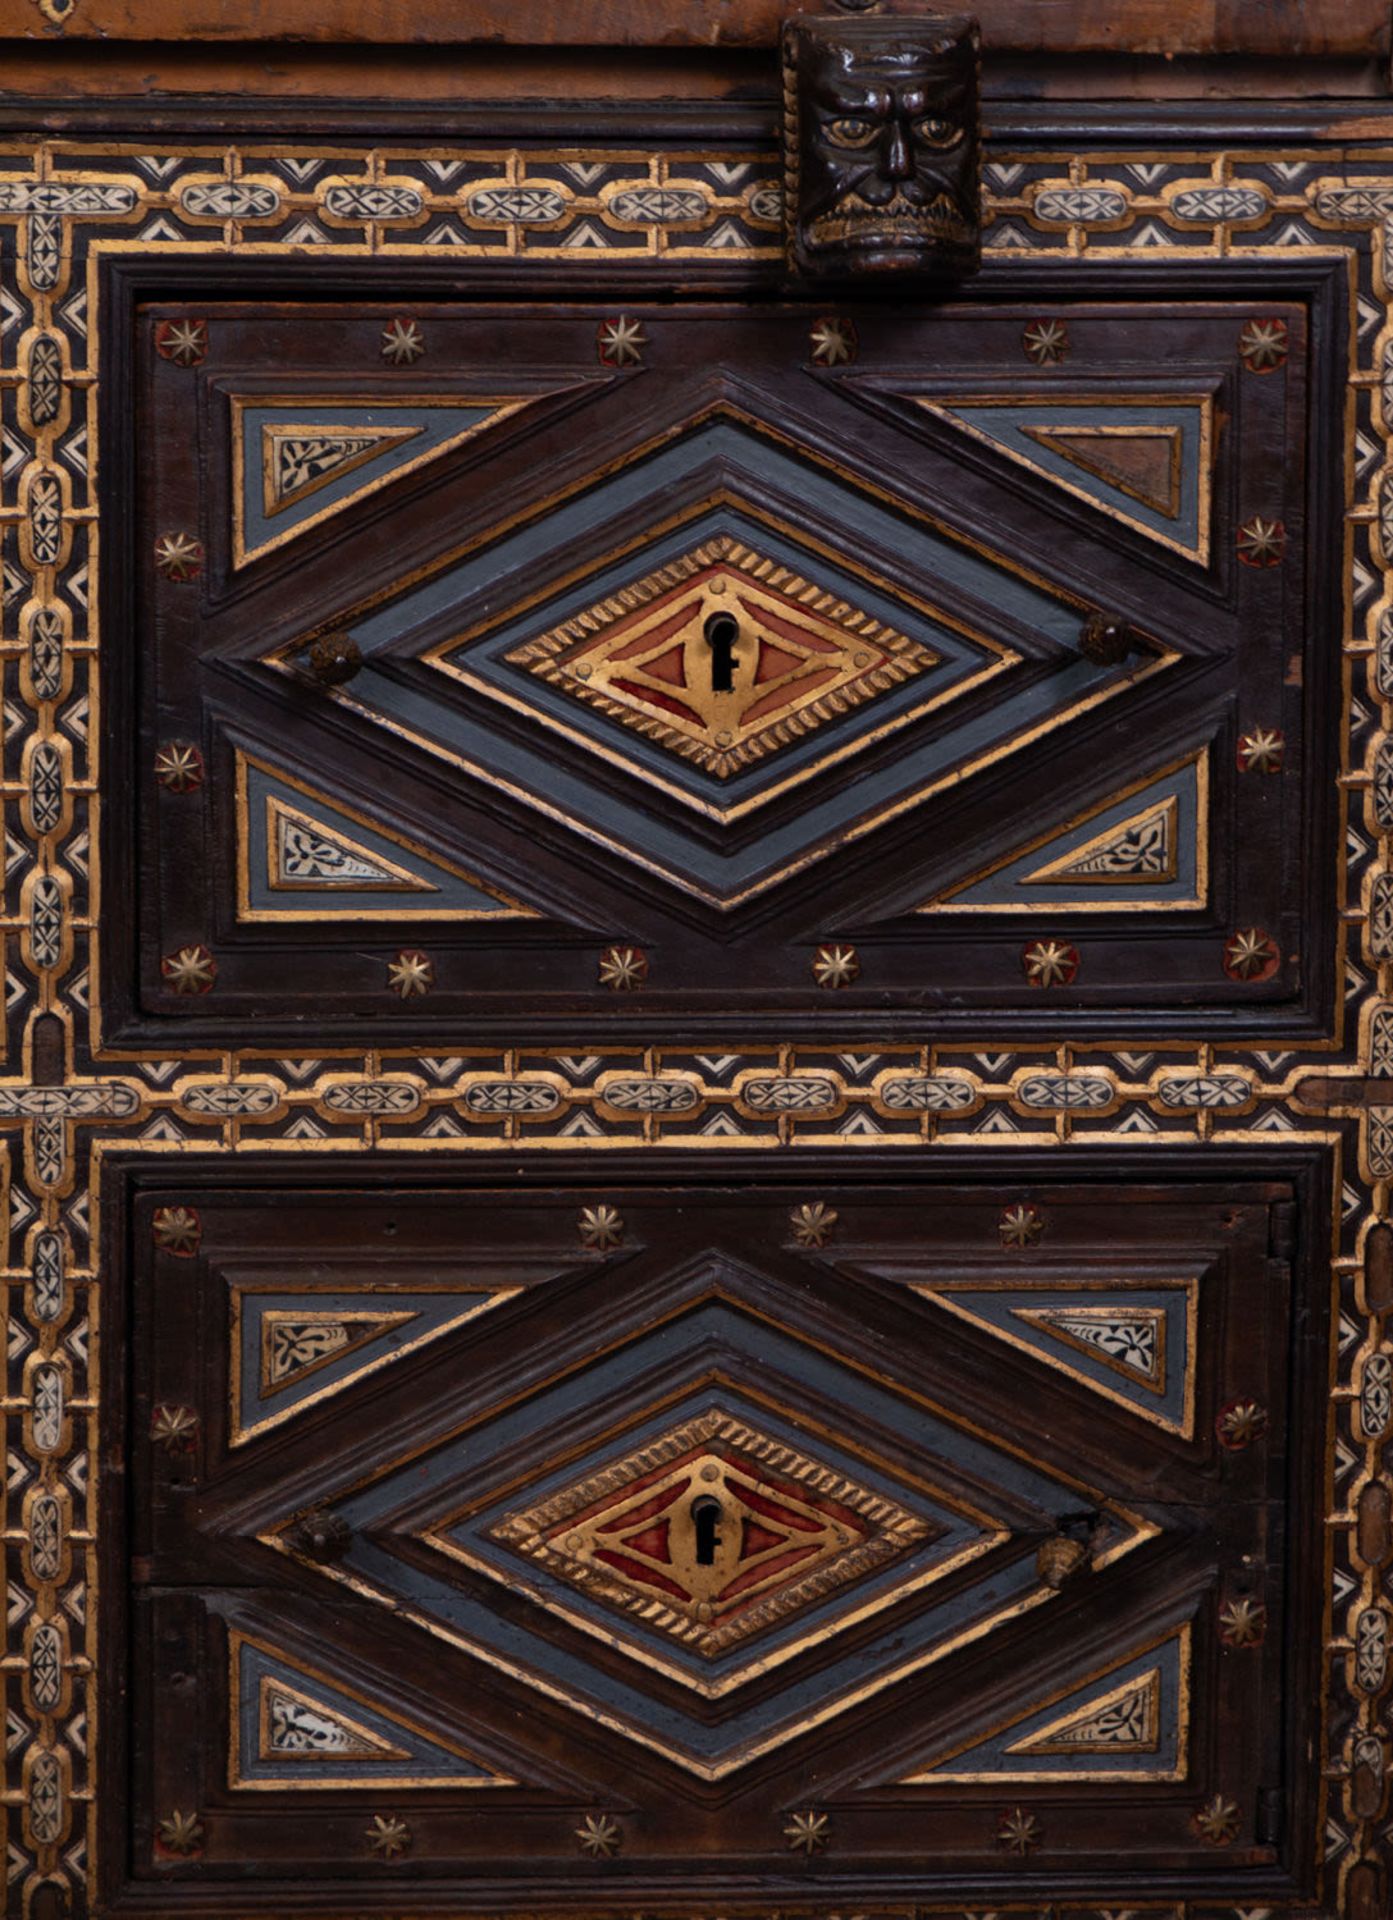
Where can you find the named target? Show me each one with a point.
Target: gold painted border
(506, 406)
(935, 1290)
(239, 1782)
(1199, 759)
(239, 1433)
(940, 407)
(931, 1776)
(509, 908)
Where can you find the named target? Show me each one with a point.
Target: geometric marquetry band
(67, 205)
(762, 1096)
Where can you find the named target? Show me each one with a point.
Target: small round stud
(600, 1228)
(620, 342)
(808, 1832)
(334, 658)
(177, 1230)
(174, 1428)
(180, 1833)
(1261, 543)
(179, 556)
(179, 766)
(1239, 1424)
(1106, 640)
(320, 1536)
(599, 1836)
(403, 343)
(388, 1837)
(1262, 345)
(1262, 751)
(410, 973)
(1242, 1623)
(832, 342)
(623, 969)
(1045, 342)
(1020, 1225)
(189, 970)
(836, 966)
(1218, 1821)
(184, 342)
(1050, 963)
(812, 1224)
(1251, 955)
(1018, 1831)
(1058, 1559)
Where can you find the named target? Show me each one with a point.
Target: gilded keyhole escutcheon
(722, 632)
(707, 1514)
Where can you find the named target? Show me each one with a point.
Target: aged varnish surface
(698, 988)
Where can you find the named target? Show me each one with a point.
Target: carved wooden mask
(881, 145)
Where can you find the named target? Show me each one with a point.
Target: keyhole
(706, 1518)
(722, 631)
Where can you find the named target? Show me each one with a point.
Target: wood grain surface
(1257, 27)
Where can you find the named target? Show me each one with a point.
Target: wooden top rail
(1292, 28)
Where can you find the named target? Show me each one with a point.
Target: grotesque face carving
(881, 145)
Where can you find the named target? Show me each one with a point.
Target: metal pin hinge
(1269, 1820)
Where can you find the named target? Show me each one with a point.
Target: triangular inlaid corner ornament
(1132, 1344)
(1128, 1720)
(1144, 460)
(305, 855)
(302, 855)
(1132, 1341)
(293, 1722)
(1127, 1716)
(294, 1726)
(298, 1341)
(299, 459)
(294, 1348)
(1145, 848)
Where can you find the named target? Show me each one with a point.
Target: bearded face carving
(881, 146)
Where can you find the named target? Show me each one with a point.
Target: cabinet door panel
(632, 666)
(698, 1511)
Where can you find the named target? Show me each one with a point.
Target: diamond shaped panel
(713, 1532)
(724, 655)
(819, 1552)
(601, 623)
